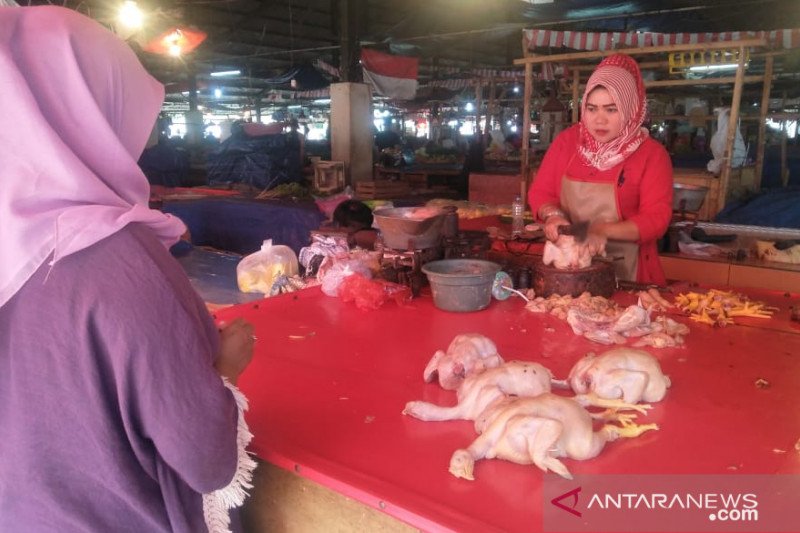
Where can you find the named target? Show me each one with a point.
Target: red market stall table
(328, 383)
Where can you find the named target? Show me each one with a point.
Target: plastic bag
(333, 276)
(689, 246)
(322, 246)
(372, 293)
(257, 272)
(718, 141)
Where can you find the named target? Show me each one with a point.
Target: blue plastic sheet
(777, 208)
(165, 164)
(240, 226)
(213, 274)
(262, 162)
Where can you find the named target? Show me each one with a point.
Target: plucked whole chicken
(468, 354)
(480, 391)
(566, 253)
(538, 431)
(622, 373)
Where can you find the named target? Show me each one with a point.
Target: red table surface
(328, 383)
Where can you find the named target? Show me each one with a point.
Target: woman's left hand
(236, 348)
(595, 242)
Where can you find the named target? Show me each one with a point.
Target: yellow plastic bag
(257, 272)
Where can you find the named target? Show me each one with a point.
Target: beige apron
(597, 201)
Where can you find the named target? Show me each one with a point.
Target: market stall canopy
(453, 39)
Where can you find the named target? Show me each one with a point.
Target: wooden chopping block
(597, 278)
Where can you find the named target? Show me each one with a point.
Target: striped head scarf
(619, 75)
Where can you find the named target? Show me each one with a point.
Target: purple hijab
(77, 110)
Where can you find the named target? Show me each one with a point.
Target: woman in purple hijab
(118, 405)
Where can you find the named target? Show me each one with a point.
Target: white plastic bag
(333, 276)
(718, 141)
(257, 272)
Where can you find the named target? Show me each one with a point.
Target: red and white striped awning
(583, 40)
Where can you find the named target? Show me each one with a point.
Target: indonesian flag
(390, 76)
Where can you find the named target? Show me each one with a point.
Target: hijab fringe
(217, 504)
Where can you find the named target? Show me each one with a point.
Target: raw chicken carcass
(539, 430)
(468, 354)
(478, 392)
(565, 253)
(620, 374)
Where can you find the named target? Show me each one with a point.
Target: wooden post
(526, 130)
(489, 108)
(576, 82)
(784, 135)
(725, 177)
(762, 125)
(478, 106)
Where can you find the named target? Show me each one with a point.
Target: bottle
(450, 227)
(517, 216)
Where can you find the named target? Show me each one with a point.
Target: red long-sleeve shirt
(644, 191)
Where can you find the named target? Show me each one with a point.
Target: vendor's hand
(551, 226)
(236, 348)
(595, 242)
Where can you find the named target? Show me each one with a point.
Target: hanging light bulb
(130, 15)
(174, 41)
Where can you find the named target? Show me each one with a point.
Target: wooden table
(328, 383)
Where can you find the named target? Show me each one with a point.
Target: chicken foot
(592, 399)
(629, 429)
(613, 415)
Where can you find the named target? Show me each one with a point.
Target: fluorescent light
(217, 93)
(226, 73)
(322, 101)
(709, 68)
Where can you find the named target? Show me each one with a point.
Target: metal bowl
(688, 197)
(407, 228)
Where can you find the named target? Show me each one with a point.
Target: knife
(579, 230)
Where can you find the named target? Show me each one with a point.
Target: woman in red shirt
(607, 170)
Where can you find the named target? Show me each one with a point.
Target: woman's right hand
(236, 348)
(551, 226)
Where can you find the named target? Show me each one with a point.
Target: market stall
(328, 383)
(678, 53)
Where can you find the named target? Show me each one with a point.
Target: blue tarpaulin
(777, 208)
(241, 226)
(262, 162)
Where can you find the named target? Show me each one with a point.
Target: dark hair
(353, 214)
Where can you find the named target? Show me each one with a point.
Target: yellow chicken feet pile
(718, 308)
